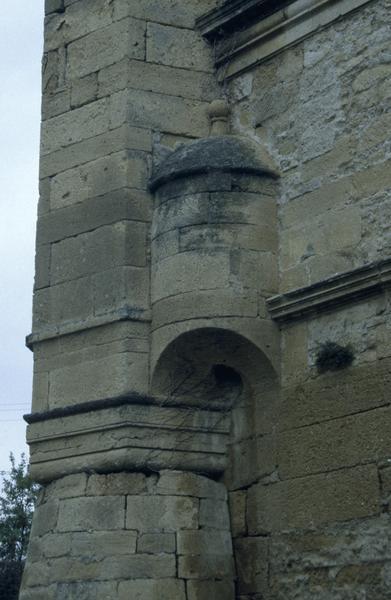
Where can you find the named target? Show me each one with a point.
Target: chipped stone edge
(331, 293)
(269, 34)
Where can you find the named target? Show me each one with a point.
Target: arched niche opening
(211, 368)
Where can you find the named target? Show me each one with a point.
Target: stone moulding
(248, 32)
(227, 153)
(122, 314)
(331, 293)
(127, 434)
(235, 15)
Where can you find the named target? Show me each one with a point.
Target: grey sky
(21, 23)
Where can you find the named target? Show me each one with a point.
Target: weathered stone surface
(185, 273)
(214, 590)
(102, 544)
(163, 589)
(335, 394)
(67, 487)
(251, 459)
(214, 514)
(120, 205)
(106, 46)
(156, 543)
(188, 484)
(116, 484)
(204, 542)
(79, 514)
(53, 6)
(252, 562)
(120, 170)
(317, 448)
(237, 511)
(69, 384)
(311, 501)
(85, 591)
(154, 111)
(87, 253)
(75, 126)
(45, 518)
(171, 12)
(99, 146)
(158, 513)
(210, 565)
(177, 48)
(159, 78)
(84, 90)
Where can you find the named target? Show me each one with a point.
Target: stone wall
(315, 524)
(121, 80)
(189, 443)
(322, 108)
(126, 535)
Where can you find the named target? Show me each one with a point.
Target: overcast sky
(21, 24)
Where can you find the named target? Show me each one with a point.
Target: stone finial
(219, 113)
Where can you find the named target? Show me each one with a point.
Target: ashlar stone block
(154, 111)
(161, 513)
(175, 483)
(158, 78)
(103, 544)
(75, 126)
(101, 513)
(214, 514)
(106, 46)
(252, 562)
(178, 48)
(116, 484)
(126, 169)
(204, 542)
(213, 590)
(312, 501)
(161, 589)
(156, 543)
(88, 253)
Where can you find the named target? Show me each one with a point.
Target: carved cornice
(332, 293)
(248, 32)
(235, 15)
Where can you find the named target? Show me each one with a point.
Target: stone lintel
(129, 436)
(248, 32)
(331, 293)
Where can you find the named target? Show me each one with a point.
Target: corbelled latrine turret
(160, 457)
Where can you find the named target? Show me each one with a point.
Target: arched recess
(212, 367)
(219, 369)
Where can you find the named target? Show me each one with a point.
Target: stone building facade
(211, 410)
